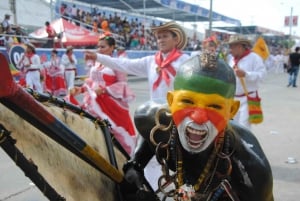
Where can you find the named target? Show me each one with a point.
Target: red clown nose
(198, 115)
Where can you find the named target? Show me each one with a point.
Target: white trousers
(70, 78)
(242, 116)
(33, 80)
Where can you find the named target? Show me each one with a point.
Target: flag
(261, 48)
(291, 21)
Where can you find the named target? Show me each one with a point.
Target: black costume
(238, 171)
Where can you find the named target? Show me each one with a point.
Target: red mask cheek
(217, 120)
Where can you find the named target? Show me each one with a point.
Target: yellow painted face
(200, 117)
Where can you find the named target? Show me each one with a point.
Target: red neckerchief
(164, 66)
(237, 59)
(29, 56)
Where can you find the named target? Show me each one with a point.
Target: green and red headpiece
(206, 74)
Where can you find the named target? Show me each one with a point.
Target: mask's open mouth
(195, 137)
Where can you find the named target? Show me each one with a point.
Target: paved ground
(278, 134)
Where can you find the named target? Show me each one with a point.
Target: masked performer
(212, 157)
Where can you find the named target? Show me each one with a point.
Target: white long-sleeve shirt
(255, 70)
(66, 63)
(144, 67)
(34, 61)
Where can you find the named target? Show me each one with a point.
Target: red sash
(164, 66)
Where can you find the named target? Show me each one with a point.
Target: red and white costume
(54, 78)
(112, 104)
(69, 64)
(32, 72)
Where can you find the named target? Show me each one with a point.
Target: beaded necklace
(218, 145)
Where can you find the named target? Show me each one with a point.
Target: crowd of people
(202, 95)
(132, 31)
(48, 76)
(11, 34)
(169, 83)
(206, 94)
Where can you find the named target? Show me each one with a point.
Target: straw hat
(54, 51)
(239, 39)
(69, 48)
(30, 45)
(175, 28)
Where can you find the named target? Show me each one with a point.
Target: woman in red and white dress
(107, 95)
(54, 78)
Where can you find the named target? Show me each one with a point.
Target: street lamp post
(291, 25)
(210, 17)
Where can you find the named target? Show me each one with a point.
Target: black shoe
(294, 85)
(288, 85)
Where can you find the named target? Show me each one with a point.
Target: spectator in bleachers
(129, 27)
(94, 11)
(88, 20)
(134, 41)
(142, 42)
(63, 11)
(99, 18)
(74, 12)
(69, 12)
(51, 35)
(19, 35)
(5, 25)
(7, 41)
(95, 26)
(105, 26)
(80, 17)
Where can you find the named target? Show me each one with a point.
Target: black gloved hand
(137, 187)
(142, 195)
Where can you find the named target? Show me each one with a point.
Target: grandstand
(144, 13)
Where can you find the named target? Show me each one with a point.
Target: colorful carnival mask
(202, 101)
